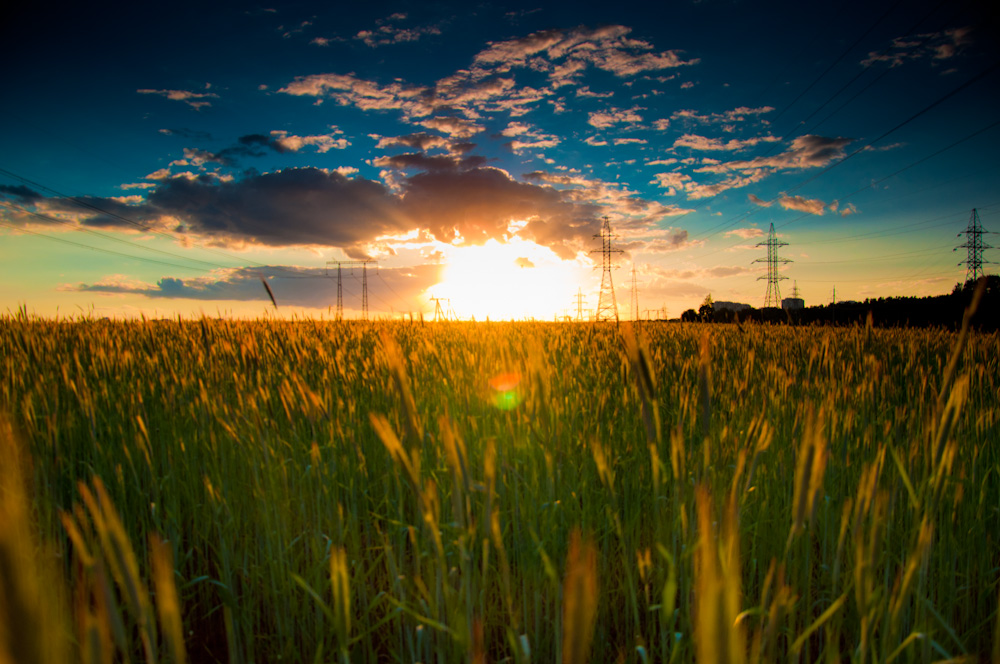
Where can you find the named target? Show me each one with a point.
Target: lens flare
(506, 394)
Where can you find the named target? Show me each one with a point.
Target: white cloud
(195, 100)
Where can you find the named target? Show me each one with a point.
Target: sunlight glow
(513, 281)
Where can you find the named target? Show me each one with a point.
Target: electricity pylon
(340, 283)
(974, 243)
(579, 304)
(607, 306)
(773, 296)
(439, 312)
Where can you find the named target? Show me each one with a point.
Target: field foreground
(454, 492)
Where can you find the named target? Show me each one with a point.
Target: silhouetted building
(793, 303)
(730, 306)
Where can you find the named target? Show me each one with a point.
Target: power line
(99, 249)
(105, 236)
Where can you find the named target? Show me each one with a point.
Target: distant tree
(689, 316)
(707, 309)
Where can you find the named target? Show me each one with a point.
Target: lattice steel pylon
(607, 306)
(340, 283)
(773, 296)
(974, 243)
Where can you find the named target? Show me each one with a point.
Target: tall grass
(322, 491)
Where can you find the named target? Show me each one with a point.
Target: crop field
(309, 491)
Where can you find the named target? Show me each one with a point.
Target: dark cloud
(429, 163)
(309, 206)
(304, 206)
(418, 141)
(479, 204)
(20, 192)
(398, 289)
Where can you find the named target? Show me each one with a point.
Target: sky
(163, 160)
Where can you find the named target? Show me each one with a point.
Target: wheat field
(309, 491)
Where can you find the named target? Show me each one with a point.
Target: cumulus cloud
(196, 100)
(456, 127)
(704, 143)
(614, 116)
(489, 85)
(528, 136)
(523, 262)
(282, 141)
(802, 204)
(672, 181)
(805, 152)
(564, 55)
(312, 207)
(419, 141)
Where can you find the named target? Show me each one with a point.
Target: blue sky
(164, 161)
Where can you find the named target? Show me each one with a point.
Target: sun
(516, 280)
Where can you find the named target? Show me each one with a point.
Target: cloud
(745, 233)
(595, 141)
(282, 141)
(312, 207)
(672, 181)
(585, 91)
(20, 192)
(419, 141)
(489, 85)
(614, 116)
(523, 262)
(936, 46)
(456, 127)
(812, 206)
(565, 55)
(807, 151)
(195, 100)
(396, 288)
(661, 162)
(629, 141)
(418, 160)
(530, 137)
(846, 210)
(739, 114)
(388, 32)
(696, 142)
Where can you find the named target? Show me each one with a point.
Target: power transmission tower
(579, 304)
(607, 306)
(773, 296)
(340, 283)
(974, 243)
(635, 296)
(439, 312)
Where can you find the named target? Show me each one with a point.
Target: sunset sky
(163, 159)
